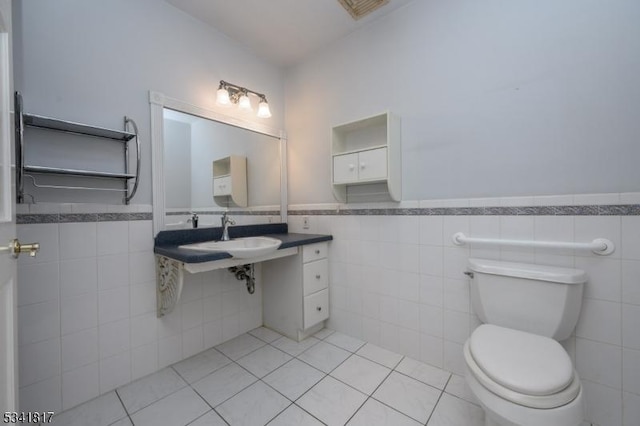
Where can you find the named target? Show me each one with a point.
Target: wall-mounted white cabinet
(230, 181)
(366, 160)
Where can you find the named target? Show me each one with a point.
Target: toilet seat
(529, 370)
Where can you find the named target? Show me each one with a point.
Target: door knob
(15, 248)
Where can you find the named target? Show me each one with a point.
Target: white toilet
(514, 364)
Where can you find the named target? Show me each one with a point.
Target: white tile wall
(606, 346)
(87, 320)
(396, 282)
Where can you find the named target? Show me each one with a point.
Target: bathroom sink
(242, 248)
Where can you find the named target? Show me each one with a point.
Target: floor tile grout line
(424, 383)
(295, 356)
(343, 348)
(352, 387)
(438, 401)
(435, 406)
(358, 409)
(368, 396)
(206, 375)
(404, 414)
(338, 380)
(221, 416)
(280, 412)
(293, 402)
(123, 406)
(251, 384)
(302, 408)
(156, 401)
(395, 409)
(142, 408)
(248, 353)
(402, 357)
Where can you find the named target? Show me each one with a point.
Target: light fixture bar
(229, 93)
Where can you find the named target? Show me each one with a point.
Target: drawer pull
(317, 251)
(319, 308)
(318, 277)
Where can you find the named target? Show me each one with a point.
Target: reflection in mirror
(211, 167)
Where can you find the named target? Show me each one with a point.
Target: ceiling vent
(360, 8)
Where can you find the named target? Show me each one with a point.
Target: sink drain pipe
(246, 273)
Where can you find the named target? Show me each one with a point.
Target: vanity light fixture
(229, 94)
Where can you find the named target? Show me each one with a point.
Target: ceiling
(281, 31)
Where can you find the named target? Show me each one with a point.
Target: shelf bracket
(169, 282)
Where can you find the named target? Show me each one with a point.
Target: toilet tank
(543, 300)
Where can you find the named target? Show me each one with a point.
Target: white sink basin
(242, 248)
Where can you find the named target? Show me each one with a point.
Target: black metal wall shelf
(49, 123)
(23, 119)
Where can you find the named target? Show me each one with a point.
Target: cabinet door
(222, 186)
(372, 164)
(345, 168)
(316, 308)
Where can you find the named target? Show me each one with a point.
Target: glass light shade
(263, 110)
(222, 97)
(244, 103)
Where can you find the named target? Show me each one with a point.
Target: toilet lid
(521, 361)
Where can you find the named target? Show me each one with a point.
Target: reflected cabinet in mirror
(211, 164)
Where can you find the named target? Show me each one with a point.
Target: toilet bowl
(522, 379)
(514, 364)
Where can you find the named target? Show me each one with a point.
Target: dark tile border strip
(230, 213)
(22, 219)
(590, 210)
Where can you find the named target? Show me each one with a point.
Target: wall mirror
(208, 163)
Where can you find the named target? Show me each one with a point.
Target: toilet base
(500, 412)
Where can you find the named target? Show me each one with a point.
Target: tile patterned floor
(264, 378)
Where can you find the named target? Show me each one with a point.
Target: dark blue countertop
(167, 242)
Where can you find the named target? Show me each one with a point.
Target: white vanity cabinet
(296, 292)
(366, 159)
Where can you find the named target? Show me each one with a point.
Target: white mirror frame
(158, 103)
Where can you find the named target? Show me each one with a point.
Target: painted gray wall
(496, 98)
(177, 164)
(94, 61)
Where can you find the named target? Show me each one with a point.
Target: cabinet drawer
(315, 276)
(316, 308)
(313, 252)
(222, 186)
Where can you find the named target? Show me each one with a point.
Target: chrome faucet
(226, 221)
(194, 220)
